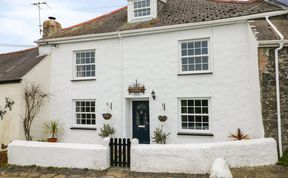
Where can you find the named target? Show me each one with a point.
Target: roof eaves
(10, 81)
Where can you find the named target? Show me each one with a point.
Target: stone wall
(268, 92)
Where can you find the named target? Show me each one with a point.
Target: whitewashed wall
(25, 153)
(11, 127)
(154, 60)
(199, 158)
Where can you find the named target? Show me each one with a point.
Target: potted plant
(162, 118)
(107, 116)
(106, 131)
(159, 136)
(53, 128)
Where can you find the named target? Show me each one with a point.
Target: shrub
(106, 131)
(159, 136)
(284, 159)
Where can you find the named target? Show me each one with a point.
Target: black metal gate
(120, 152)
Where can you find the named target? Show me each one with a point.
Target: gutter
(10, 81)
(281, 45)
(153, 30)
(271, 43)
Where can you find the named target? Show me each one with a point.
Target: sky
(19, 24)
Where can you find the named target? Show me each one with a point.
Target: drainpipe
(281, 44)
(122, 78)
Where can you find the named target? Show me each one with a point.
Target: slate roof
(265, 32)
(13, 66)
(173, 12)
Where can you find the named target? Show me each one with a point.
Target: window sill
(195, 73)
(82, 128)
(195, 134)
(79, 80)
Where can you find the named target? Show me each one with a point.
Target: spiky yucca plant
(159, 136)
(239, 135)
(106, 131)
(52, 128)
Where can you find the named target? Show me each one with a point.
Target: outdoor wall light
(153, 95)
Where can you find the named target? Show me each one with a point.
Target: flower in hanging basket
(107, 116)
(162, 118)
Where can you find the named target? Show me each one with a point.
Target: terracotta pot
(162, 118)
(107, 116)
(52, 140)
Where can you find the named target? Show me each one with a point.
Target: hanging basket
(107, 116)
(162, 118)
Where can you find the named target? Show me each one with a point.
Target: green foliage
(52, 127)
(284, 159)
(159, 136)
(106, 131)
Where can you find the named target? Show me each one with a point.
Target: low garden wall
(199, 158)
(67, 155)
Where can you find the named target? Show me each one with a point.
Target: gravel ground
(50, 172)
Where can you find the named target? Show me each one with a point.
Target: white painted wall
(25, 153)
(11, 127)
(154, 60)
(199, 158)
(11, 124)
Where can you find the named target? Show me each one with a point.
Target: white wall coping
(57, 145)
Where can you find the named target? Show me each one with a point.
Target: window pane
(184, 46)
(184, 60)
(204, 44)
(191, 45)
(184, 102)
(204, 50)
(184, 110)
(184, 52)
(197, 44)
(197, 51)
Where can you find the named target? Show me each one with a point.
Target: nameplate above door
(136, 89)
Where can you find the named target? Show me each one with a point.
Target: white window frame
(75, 65)
(141, 17)
(209, 131)
(74, 114)
(180, 71)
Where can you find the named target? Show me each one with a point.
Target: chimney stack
(51, 27)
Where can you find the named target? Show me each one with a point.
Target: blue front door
(141, 127)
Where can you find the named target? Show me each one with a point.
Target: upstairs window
(142, 8)
(194, 56)
(85, 64)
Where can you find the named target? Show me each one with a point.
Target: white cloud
(19, 18)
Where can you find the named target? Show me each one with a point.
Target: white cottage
(193, 61)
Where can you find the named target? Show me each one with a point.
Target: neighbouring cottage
(268, 41)
(16, 69)
(195, 62)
